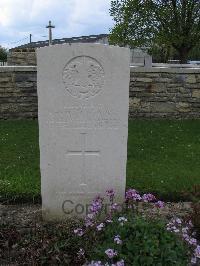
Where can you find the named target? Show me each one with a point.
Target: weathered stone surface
(18, 100)
(143, 79)
(165, 107)
(196, 93)
(191, 79)
(83, 131)
(134, 102)
(183, 107)
(177, 91)
(23, 58)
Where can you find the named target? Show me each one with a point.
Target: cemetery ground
(162, 159)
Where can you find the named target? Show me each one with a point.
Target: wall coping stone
(177, 70)
(18, 68)
(134, 69)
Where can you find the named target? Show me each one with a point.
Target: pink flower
(160, 204)
(148, 197)
(78, 231)
(111, 253)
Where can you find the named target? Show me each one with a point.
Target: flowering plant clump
(118, 234)
(185, 230)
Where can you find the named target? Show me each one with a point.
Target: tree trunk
(183, 54)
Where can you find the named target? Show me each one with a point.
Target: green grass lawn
(163, 157)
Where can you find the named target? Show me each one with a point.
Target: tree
(148, 23)
(3, 54)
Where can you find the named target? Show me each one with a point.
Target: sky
(20, 18)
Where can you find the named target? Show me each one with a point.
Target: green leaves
(172, 23)
(3, 54)
(144, 242)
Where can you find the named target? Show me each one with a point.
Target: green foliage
(144, 242)
(3, 54)
(195, 53)
(19, 161)
(162, 159)
(172, 23)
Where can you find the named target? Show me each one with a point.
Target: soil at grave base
(16, 221)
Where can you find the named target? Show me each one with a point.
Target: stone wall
(18, 92)
(154, 93)
(22, 57)
(164, 93)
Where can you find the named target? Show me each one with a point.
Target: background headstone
(83, 92)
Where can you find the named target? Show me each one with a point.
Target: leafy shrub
(139, 242)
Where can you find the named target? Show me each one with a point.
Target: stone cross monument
(50, 27)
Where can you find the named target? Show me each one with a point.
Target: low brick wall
(164, 93)
(18, 92)
(154, 93)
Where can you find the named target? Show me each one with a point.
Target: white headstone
(83, 93)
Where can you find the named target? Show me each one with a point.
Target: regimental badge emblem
(83, 77)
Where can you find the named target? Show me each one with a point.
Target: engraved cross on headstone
(83, 152)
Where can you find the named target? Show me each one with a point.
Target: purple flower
(89, 220)
(193, 260)
(89, 223)
(109, 221)
(185, 230)
(110, 193)
(96, 205)
(114, 206)
(160, 204)
(95, 263)
(100, 226)
(192, 241)
(190, 223)
(81, 252)
(178, 221)
(111, 253)
(78, 232)
(197, 252)
(132, 194)
(120, 263)
(148, 197)
(122, 220)
(186, 237)
(117, 240)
